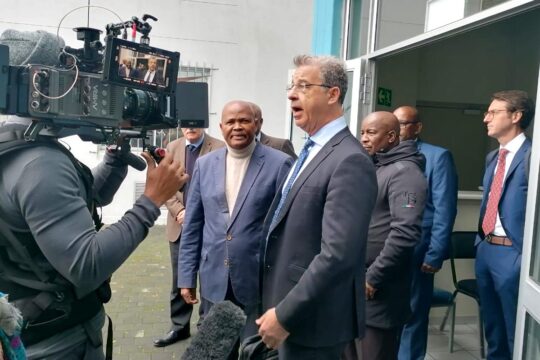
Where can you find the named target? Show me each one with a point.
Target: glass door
(527, 340)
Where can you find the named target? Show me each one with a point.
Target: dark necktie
(301, 159)
(495, 192)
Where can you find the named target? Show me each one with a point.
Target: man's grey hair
(333, 72)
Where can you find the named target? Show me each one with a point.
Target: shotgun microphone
(217, 334)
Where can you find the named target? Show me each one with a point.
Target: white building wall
(250, 43)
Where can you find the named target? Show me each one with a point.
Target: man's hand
(163, 180)
(370, 291)
(429, 269)
(189, 295)
(180, 216)
(271, 331)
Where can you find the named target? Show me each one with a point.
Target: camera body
(100, 98)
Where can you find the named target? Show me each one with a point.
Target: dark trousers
(291, 351)
(380, 344)
(497, 277)
(180, 311)
(414, 337)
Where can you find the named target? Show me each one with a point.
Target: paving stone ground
(139, 308)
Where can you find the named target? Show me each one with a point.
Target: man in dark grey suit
(284, 145)
(313, 275)
(394, 231)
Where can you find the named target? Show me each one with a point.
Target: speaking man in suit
(313, 275)
(437, 224)
(284, 145)
(502, 218)
(153, 75)
(186, 150)
(229, 195)
(394, 232)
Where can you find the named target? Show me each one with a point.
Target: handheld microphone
(217, 334)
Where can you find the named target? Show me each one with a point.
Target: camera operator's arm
(49, 194)
(108, 177)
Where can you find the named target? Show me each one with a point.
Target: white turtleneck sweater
(235, 169)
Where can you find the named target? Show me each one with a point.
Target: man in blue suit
(437, 224)
(230, 193)
(502, 218)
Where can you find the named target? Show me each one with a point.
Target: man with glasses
(313, 274)
(437, 224)
(502, 218)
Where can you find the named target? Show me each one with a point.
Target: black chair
(443, 298)
(462, 247)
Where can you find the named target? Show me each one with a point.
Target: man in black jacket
(394, 231)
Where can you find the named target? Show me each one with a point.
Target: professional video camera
(91, 89)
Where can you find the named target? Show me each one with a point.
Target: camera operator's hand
(163, 180)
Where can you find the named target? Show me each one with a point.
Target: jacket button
(268, 267)
(226, 262)
(229, 237)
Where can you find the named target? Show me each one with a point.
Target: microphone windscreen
(217, 334)
(32, 47)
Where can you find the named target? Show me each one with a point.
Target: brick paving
(139, 308)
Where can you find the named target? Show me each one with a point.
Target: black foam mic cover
(217, 334)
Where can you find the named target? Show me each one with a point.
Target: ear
(517, 116)
(333, 95)
(392, 136)
(418, 129)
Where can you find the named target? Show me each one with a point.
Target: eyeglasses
(492, 113)
(304, 86)
(405, 123)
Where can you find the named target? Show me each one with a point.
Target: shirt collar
(514, 144)
(197, 143)
(328, 131)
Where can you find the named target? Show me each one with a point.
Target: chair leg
(443, 323)
(452, 326)
(481, 333)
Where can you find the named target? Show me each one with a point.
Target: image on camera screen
(143, 67)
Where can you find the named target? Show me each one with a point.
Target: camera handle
(140, 26)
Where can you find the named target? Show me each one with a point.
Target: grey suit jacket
(176, 203)
(314, 266)
(218, 245)
(284, 145)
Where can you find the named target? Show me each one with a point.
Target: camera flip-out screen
(141, 66)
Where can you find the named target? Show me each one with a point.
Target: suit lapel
(182, 151)
(206, 145)
(310, 168)
(254, 168)
(219, 179)
(518, 159)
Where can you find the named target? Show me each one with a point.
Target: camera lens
(141, 107)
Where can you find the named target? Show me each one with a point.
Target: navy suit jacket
(219, 245)
(514, 196)
(441, 203)
(314, 271)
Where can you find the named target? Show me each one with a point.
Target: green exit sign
(384, 97)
